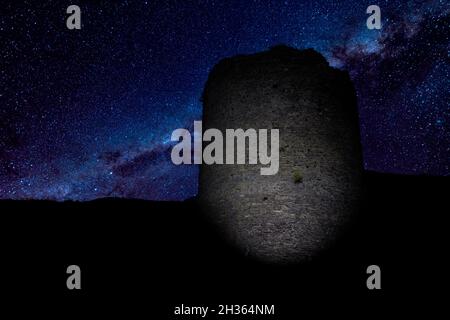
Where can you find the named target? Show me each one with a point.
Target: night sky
(89, 113)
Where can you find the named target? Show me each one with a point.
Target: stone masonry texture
(296, 214)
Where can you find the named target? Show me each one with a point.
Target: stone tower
(293, 215)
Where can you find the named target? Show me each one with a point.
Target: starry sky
(88, 113)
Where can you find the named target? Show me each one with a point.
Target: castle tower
(293, 215)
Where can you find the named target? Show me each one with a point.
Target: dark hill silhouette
(170, 251)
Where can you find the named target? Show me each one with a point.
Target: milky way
(88, 113)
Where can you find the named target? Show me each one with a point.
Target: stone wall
(293, 215)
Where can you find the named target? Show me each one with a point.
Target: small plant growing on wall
(297, 176)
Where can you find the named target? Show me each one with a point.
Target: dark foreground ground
(148, 257)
